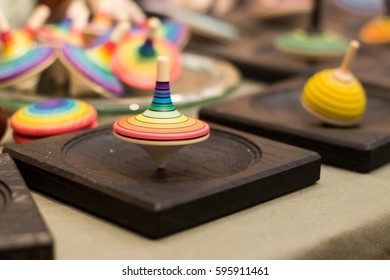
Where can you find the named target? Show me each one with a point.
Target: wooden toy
(161, 130)
(278, 114)
(70, 29)
(3, 123)
(134, 61)
(23, 233)
(107, 177)
(20, 58)
(51, 117)
(91, 68)
(335, 96)
(271, 9)
(377, 30)
(313, 43)
(365, 7)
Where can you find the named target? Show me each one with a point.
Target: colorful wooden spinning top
(161, 130)
(52, 117)
(361, 6)
(3, 123)
(91, 67)
(335, 96)
(312, 43)
(135, 59)
(377, 31)
(70, 30)
(20, 57)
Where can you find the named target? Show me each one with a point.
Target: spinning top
(91, 67)
(335, 96)
(3, 123)
(69, 30)
(313, 42)
(51, 117)
(360, 6)
(173, 31)
(135, 59)
(161, 130)
(269, 9)
(377, 31)
(20, 58)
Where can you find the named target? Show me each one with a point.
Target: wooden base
(118, 181)
(255, 52)
(278, 114)
(23, 234)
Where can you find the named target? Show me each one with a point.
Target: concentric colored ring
(334, 99)
(304, 44)
(53, 116)
(139, 70)
(93, 64)
(161, 121)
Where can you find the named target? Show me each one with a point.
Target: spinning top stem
(4, 24)
(147, 49)
(39, 16)
(343, 72)
(386, 4)
(315, 17)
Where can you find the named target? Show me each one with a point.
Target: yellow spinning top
(335, 96)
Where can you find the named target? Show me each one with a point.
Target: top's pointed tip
(162, 69)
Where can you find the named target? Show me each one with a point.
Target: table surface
(346, 215)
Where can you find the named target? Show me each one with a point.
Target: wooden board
(116, 180)
(257, 57)
(23, 233)
(278, 114)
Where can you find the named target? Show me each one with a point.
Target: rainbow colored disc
(22, 58)
(53, 116)
(171, 30)
(361, 6)
(134, 61)
(161, 122)
(376, 31)
(333, 100)
(304, 44)
(94, 67)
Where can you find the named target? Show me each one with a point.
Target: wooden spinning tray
(23, 234)
(255, 52)
(116, 180)
(278, 114)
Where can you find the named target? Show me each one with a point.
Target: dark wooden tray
(23, 234)
(257, 57)
(278, 114)
(116, 180)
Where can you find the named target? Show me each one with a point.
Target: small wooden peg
(119, 31)
(162, 69)
(153, 24)
(343, 73)
(38, 17)
(4, 23)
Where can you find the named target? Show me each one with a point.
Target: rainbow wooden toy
(161, 130)
(312, 43)
(21, 59)
(135, 59)
(335, 96)
(51, 117)
(70, 30)
(91, 68)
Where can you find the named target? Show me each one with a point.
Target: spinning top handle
(349, 57)
(79, 16)
(4, 23)
(315, 17)
(162, 74)
(153, 25)
(119, 31)
(38, 18)
(136, 13)
(75, 7)
(386, 4)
